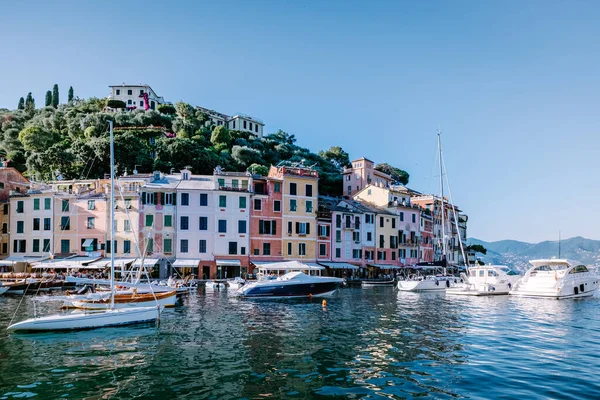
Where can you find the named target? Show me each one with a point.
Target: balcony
(237, 188)
(351, 225)
(299, 172)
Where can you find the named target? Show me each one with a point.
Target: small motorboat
(235, 283)
(485, 280)
(556, 279)
(427, 283)
(122, 299)
(214, 285)
(377, 282)
(294, 284)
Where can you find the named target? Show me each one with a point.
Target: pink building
(426, 247)
(90, 224)
(361, 174)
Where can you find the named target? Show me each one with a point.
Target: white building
(239, 122)
(133, 95)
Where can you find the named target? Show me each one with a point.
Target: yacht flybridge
(557, 279)
(485, 280)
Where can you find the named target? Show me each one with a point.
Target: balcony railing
(231, 188)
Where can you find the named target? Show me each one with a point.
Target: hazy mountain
(517, 254)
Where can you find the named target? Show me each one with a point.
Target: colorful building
(300, 196)
(266, 221)
(361, 174)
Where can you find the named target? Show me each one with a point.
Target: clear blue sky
(514, 85)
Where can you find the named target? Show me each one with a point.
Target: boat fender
(447, 283)
(509, 285)
(437, 283)
(324, 303)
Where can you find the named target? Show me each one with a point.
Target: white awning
(185, 263)
(147, 262)
(384, 266)
(16, 259)
(229, 263)
(87, 242)
(339, 265)
(288, 265)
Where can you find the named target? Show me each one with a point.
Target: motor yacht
(556, 279)
(485, 280)
(292, 284)
(427, 283)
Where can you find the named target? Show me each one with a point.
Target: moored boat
(99, 301)
(556, 279)
(428, 283)
(377, 282)
(294, 284)
(485, 280)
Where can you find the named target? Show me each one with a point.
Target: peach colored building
(361, 174)
(266, 220)
(11, 180)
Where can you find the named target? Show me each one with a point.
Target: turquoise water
(365, 343)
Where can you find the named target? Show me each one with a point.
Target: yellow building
(300, 196)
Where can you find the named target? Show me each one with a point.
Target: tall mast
(112, 216)
(442, 198)
(558, 244)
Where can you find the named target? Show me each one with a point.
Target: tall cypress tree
(55, 100)
(29, 102)
(70, 94)
(21, 105)
(48, 98)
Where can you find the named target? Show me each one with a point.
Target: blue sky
(513, 85)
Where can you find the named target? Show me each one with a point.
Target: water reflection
(363, 343)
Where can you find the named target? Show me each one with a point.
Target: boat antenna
(442, 201)
(112, 216)
(559, 243)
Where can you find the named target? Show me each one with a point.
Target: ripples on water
(366, 343)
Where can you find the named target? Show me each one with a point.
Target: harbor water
(364, 343)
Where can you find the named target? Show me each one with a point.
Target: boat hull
(3, 290)
(425, 285)
(294, 290)
(92, 320)
(164, 299)
(377, 283)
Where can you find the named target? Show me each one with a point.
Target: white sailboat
(432, 283)
(97, 319)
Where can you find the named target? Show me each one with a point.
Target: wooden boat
(122, 300)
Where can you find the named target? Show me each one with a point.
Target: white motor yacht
(293, 284)
(485, 280)
(557, 279)
(426, 283)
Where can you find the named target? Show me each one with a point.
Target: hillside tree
(29, 103)
(48, 98)
(70, 95)
(55, 99)
(21, 105)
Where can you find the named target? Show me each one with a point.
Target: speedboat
(377, 282)
(236, 283)
(427, 283)
(556, 279)
(295, 284)
(485, 280)
(214, 285)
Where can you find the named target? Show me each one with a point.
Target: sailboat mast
(442, 197)
(558, 244)
(112, 216)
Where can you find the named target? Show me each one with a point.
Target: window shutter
(273, 227)
(174, 199)
(162, 198)
(297, 227)
(308, 228)
(143, 197)
(261, 227)
(289, 226)
(328, 231)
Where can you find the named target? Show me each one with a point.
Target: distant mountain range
(517, 254)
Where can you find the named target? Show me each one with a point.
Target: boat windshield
(553, 267)
(579, 269)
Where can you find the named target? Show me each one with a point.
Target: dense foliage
(72, 140)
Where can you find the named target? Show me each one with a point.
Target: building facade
(134, 96)
(266, 221)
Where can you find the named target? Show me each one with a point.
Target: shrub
(115, 103)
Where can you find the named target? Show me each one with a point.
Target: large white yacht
(485, 280)
(426, 283)
(557, 279)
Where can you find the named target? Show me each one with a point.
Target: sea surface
(364, 343)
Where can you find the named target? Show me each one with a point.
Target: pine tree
(21, 105)
(70, 94)
(48, 98)
(55, 99)
(29, 103)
